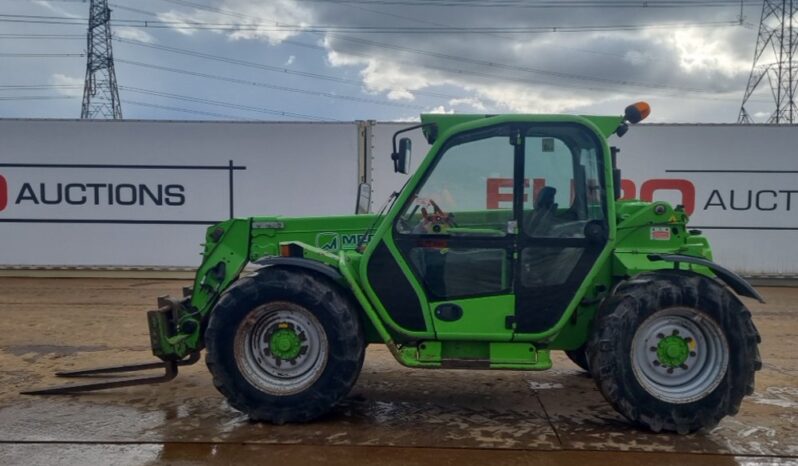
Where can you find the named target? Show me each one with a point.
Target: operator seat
(540, 221)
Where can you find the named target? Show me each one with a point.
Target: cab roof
(443, 122)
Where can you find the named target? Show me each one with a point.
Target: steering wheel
(438, 221)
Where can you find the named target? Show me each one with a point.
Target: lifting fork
(170, 372)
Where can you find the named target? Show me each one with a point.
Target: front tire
(284, 345)
(674, 351)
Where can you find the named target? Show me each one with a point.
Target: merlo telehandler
(509, 241)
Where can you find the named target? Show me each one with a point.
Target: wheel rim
(281, 348)
(679, 355)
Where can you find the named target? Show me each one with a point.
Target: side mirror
(401, 158)
(363, 199)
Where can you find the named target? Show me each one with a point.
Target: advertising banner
(142, 193)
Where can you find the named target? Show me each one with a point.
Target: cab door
(457, 240)
(564, 225)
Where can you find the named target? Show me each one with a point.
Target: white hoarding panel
(740, 184)
(136, 193)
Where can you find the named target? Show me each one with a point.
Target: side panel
(482, 318)
(549, 303)
(394, 290)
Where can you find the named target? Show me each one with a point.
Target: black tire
(579, 357)
(342, 328)
(610, 355)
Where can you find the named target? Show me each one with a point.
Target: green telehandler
(509, 241)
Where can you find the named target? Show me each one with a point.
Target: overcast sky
(695, 72)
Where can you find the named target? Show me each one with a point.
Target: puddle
(783, 397)
(543, 385)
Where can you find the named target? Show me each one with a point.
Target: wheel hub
(285, 343)
(673, 351)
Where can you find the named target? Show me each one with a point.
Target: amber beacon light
(636, 113)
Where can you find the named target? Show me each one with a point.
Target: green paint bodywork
(481, 338)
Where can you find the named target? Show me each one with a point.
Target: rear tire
(284, 345)
(674, 351)
(579, 357)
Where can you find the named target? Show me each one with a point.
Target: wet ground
(394, 415)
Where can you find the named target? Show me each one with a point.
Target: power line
(38, 97)
(218, 103)
(526, 3)
(184, 110)
(488, 76)
(545, 4)
(525, 69)
(379, 29)
(41, 55)
(43, 36)
(29, 87)
(37, 87)
(556, 74)
(332, 78)
(468, 60)
(271, 86)
(436, 23)
(262, 66)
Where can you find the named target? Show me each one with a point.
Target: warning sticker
(660, 233)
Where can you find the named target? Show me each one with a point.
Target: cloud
(76, 89)
(383, 76)
(256, 19)
(440, 109)
(135, 34)
(706, 52)
(550, 72)
(55, 9)
(472, 102)
(687, 73)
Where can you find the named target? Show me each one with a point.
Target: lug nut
(660, 336)
(670, 370)
(687, 339)
(656, 363)
(684, 366)
(653, 348)
(692, 354)
(675, 332)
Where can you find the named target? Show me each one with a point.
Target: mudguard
(303, 263)
(734, 281)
